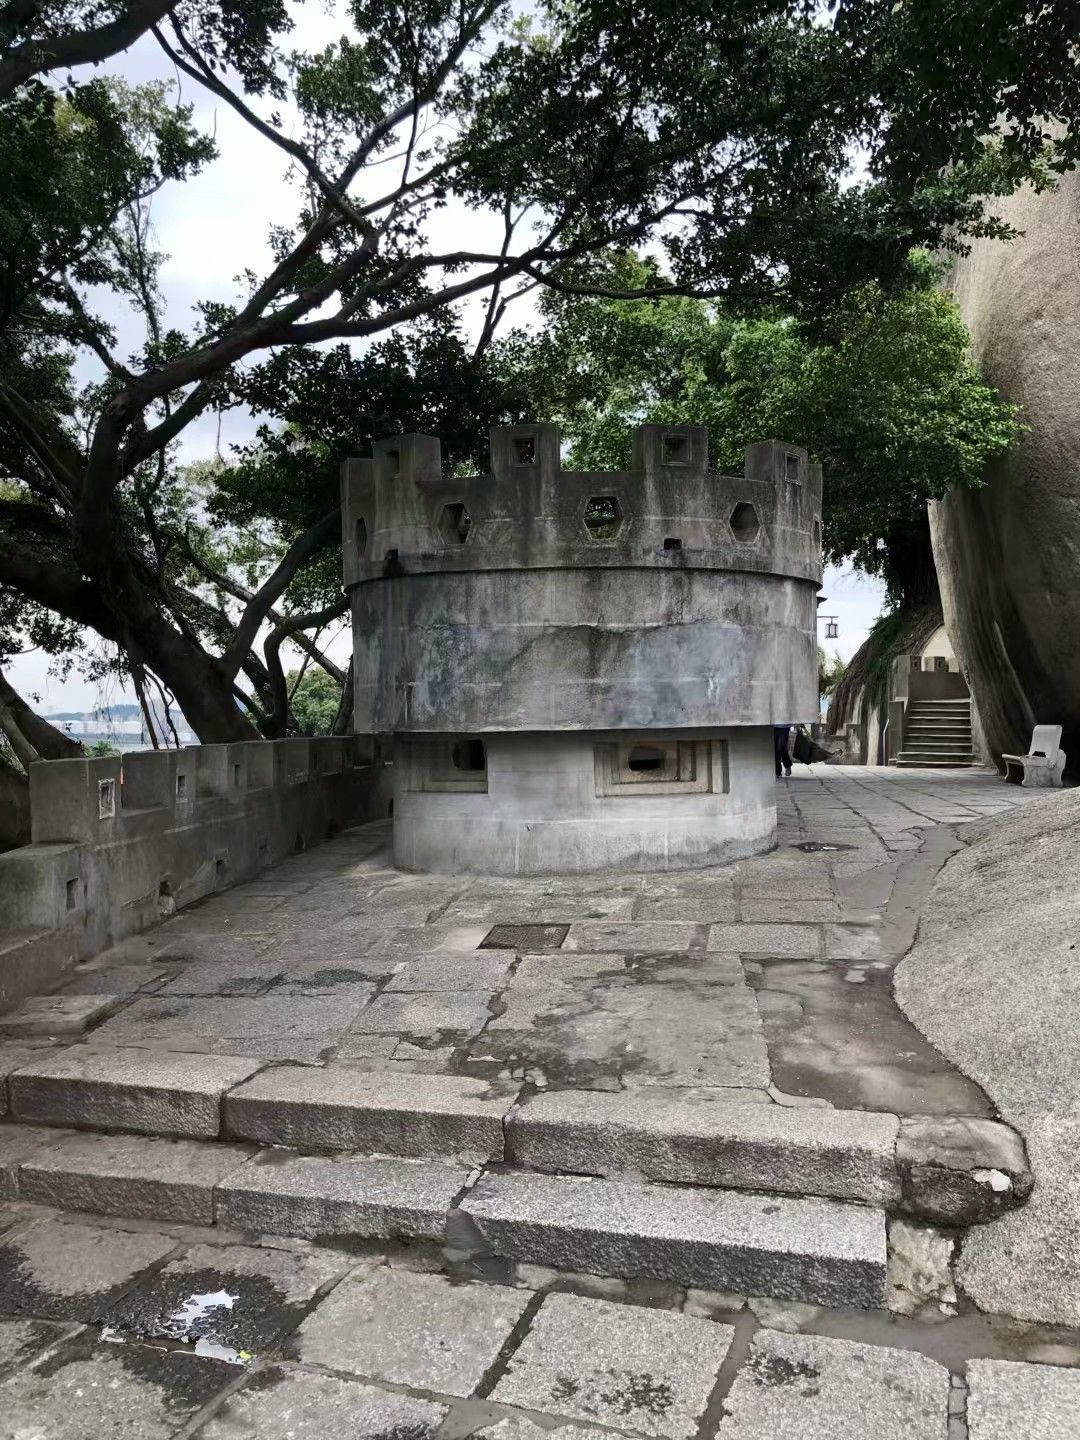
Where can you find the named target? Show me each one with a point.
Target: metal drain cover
(524, 937)
(813, 846)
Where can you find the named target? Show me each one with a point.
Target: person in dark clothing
(781, 736)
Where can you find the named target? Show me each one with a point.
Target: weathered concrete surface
(345, 1197)
(294, 1405)
(993, 980)
(164, 1094)
(802, 1387)
(1007, 555)
(1007, 1400)
(342, 1109)
(703, 1137)
(639, 1369)
(119, 846)
(823, 1251)
(380, 1325)
(64, 1270)
(80, 1391)
(130, 1175)
(242, 1297)
(961, 1170)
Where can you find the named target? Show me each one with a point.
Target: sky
(215, 226)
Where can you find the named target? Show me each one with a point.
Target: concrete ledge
(696, 1138)
(824, 1252)
(341, 1109)
(147, 1092)
(323, 1199)
(131, 1175)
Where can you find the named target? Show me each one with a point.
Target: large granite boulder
(1008, 556)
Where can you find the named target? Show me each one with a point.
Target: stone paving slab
(244, 1298)
(57, 1015)
(131, 1393)
(284, 1404)
(131, 1175)
(307, 1108)
(269, 1026)
(221, 977)
(72, 1270)
(802, 1387)
(700, 1137)
(423, 1016)
(345, 1197)
(642, 1370)
(1011, 1401)
(797, 941)
(115, 979)
(821, 1251)
(485, 972)
(22, 1340)
(412, 1329)
(151, 1094)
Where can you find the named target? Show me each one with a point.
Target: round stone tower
(581, 671)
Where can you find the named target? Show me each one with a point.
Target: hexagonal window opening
(745, 524)
(455, 523)
(603, 517)
(361, 538)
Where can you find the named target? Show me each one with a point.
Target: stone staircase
(691, 1188)
(937, 734)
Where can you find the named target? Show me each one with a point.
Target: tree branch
(45, 53)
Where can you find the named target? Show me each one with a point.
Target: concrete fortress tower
(581, 671)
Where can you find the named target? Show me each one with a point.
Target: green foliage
(884, 393)
(315, 700)
(831, 670)
(100, 748)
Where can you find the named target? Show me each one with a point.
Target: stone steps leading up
(824, 1252)
(706, 1138)
(818, 1251)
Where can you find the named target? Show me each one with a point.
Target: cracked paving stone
(422, 1015)
(1012, 1401)
(234, 1296)
(265, 1025)
(412, 1329)
(481, 972)
(21, 1340)
(127, 1392)
(288, 1405)
(620, 1365)
(519, 1427)
(59, 1270)
(802, 1387)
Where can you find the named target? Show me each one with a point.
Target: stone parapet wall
(119, 842)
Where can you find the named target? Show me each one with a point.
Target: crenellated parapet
(581, 670)
(401, 513)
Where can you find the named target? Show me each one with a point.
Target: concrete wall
(698, 608)
(544, 808)
(121, 841)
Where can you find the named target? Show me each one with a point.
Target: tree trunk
(30, 737)
(14, 807)
(912, 575)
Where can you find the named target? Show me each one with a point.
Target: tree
(882, 390)
(721, 135)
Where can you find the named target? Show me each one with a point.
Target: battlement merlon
(401, 514)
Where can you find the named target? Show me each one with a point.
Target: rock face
(1008, 556)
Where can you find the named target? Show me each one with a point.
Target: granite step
(822, 1252)
(708, 1139)
(814, 1250)
(701, 1137)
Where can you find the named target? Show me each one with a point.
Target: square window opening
(675, 450)
(106, 799)
(524, 449)
(791, 468)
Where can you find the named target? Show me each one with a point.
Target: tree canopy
(881, 389)
(720, 137)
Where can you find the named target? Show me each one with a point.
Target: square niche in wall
(653, 765)
(447, 762)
